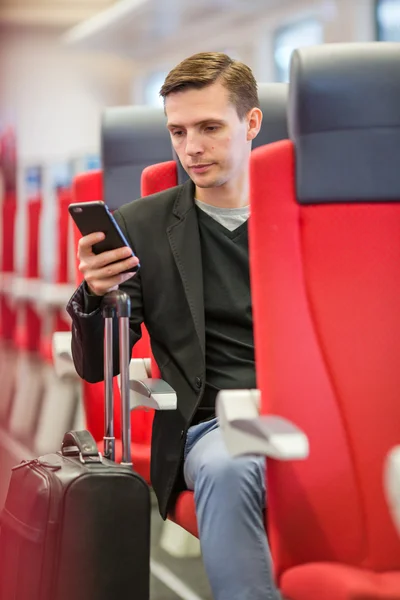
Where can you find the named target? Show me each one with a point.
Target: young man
(193, 294)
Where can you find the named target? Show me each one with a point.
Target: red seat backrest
(88, 187)
(157, 178)
(9, 211)
(64, 199)
(32, 248)
(326, 289)
(28, 328)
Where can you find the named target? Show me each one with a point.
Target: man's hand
(104, 272)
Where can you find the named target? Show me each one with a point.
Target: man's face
(210, 140)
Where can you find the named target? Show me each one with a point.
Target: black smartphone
(91, 217)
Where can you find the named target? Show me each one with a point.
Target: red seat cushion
(327, 581)
(46, 349)
(27, 333)
(8, 320)
(184, 513)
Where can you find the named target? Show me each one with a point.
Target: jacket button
(198, 382)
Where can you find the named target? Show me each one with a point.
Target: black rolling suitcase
(76, 525)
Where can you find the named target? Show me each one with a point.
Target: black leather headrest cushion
(344, 119)
(133, 137)
(273, 103)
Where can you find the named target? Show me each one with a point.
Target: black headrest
(133, 137)
(181, 173)
(344, 119)
(273, 103)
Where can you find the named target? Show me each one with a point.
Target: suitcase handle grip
(116, 302)
(79, 443)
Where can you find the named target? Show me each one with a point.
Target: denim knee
(233, 479)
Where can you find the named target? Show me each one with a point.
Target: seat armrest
(139, 368)
(62, 355)
(25, 289)
(245, 431)
(392, 484)
(17, 289)
(54, 295)
(152, 393)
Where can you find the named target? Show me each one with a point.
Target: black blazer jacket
(167, 296)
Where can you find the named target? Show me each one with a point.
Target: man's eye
(177, 133)
(211, 128)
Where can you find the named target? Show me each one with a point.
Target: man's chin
(205, 183)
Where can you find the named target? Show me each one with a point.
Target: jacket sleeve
(88, 328)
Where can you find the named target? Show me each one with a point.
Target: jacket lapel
(184, 239)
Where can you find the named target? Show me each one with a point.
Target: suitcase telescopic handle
(117, 303)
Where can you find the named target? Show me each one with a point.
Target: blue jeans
(230, 498)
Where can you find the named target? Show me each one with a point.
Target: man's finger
(87, 241)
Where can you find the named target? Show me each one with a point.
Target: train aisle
(174, 578)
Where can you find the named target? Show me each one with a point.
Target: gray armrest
(24, 289)
(139, 368)
(54, 295)
(152, 393)
(246, 432)
(146, 393)
(62, 355)
(392, 484)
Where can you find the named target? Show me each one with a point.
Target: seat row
(324, 258)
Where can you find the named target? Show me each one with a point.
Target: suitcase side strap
(30, 533)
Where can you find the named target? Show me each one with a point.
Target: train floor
(174, 578)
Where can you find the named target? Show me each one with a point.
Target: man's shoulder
(155, 206)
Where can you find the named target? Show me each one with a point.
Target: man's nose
(194, 145)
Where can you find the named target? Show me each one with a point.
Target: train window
(307, 32)
(387, 20)
(152, 88)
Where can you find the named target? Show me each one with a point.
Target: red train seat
(325, 272)
(156, 178)
(60, 321)
(7, 312)
(28, 329)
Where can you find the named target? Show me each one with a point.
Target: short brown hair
(205, 68)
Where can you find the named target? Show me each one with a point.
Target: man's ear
(254, 120)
